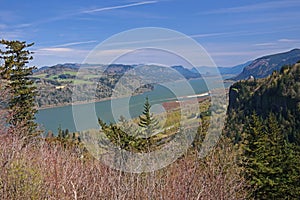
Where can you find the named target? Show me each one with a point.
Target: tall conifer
(15, 71)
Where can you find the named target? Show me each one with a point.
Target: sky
(231, 31)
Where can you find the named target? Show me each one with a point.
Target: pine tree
(253, 131)
(271, 163)
(282, 162)
(120, 138)
(127, 137)
(16, 72)
(270, 157)
(147, 121)
(252, 149)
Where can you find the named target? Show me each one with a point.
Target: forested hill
(264, 66)
(279, 94)
(56, 83)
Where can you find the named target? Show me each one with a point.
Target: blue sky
(231, 31)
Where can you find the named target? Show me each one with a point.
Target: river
(53, 118)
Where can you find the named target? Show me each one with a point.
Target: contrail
(118, 7)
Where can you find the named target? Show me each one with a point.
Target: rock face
(264, 66)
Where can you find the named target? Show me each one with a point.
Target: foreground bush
(43, 170)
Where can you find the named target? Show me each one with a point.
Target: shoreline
(70, 104)
(103, 99)
(82, 102)
(201, 95)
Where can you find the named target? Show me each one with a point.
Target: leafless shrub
(43, 170)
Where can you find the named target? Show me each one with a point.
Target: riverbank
(75, 103)
(85, 102)
(107, 98)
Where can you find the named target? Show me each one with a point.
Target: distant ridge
(119, 69)
(264, 66)
(235, 70)
(188, 74)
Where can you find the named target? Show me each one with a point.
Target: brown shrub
(41, 170)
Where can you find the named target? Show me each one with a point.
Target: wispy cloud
(256, 7)
(218, 34)
(60, 52)
(287, 40)
(277, 43)
(23, 25)
(51, 56)
(264, 44)
(118, 7)
(73, 14)
(76, 43)
(55, 49)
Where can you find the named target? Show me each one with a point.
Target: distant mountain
(235, 70)
(188, 74)
(118, 69)
(264, 66)
(205, 70)
(65, 66)
(57, 69)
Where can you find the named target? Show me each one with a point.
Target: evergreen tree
(147, 121)
(121, 138)
(127, 137)
(253, 131)
(282, 163)
(271, 163)
(16, 72)
(60, 132)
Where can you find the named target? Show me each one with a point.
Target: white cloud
(212, 34)
(54, 55)
(264, 44)
(55, 49)
(23, 25)
(287, 40)
(118, 7)
(76, 43)
(60, 52)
